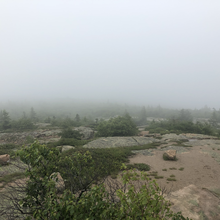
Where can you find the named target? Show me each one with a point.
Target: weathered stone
(143, 133)
(4, 159)
(65, 147)
(174, 137)
(59, 182)
(110, 142)
(170, 154)
(192, 201)
(87, 133)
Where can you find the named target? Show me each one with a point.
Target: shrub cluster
(86, 196)
(173, 126)
(120, 126)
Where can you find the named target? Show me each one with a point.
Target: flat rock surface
(196, 203)
(42, 135)
(177, 137)
(109, 142)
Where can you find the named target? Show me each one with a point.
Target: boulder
(59, 182)
(4, 159)
(87, 133)
(144, 133)
(65, 147)
(169, 155)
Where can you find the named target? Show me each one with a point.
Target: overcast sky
(142, 52)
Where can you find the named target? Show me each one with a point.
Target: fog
(136, 52)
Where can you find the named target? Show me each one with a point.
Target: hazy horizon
(135, 52)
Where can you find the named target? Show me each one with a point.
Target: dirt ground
(200, 168)
(197, 187)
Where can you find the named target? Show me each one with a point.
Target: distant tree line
(183, 123)
(24, 123)
(97, 110)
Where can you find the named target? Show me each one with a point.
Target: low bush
(139, 166)
(87, 198)
(8, 148)
(172, 168)
(68, 141)
(171, 179)
(120, 126)
(70, 133)
(172, 126)
(22, 124)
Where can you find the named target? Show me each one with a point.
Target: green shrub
(8, 148)
(158, 177)
(139, 166)
(175, 126)
(70, 133)
(171, 179)
(172, 168)
(120, 126)
(22, 124)
(87, 198)
(68, 141)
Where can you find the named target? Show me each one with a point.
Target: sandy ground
(192, 192)
(200, 168)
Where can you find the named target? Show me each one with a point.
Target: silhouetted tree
(77, 118)
(6, 121)
(185, 115)
(33, 115)
(143, 115)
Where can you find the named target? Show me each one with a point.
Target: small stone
(4, 159)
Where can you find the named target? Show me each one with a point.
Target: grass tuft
(171, 179)
(139, 166)
(158, 177)
(172, 168)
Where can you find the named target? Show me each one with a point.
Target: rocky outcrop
(174, 137)
(87, 132)
(169, 155)
(110, 142)
(44, 136)
(4, 159)
(195, 203)
(180, 137)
